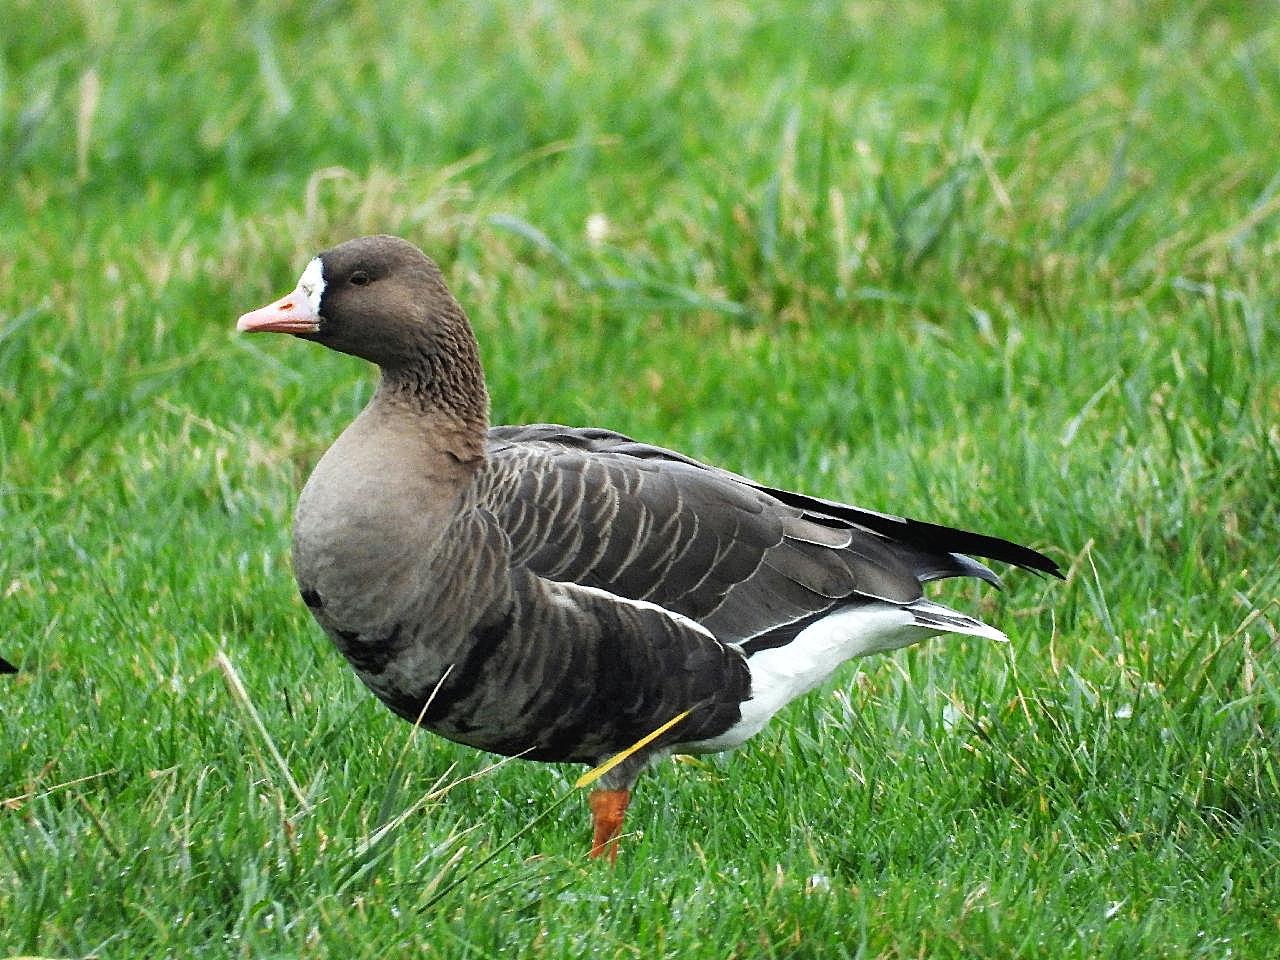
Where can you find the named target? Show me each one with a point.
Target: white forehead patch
(312, 283)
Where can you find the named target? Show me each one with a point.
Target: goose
(560, 593)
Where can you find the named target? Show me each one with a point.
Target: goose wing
(751, 563)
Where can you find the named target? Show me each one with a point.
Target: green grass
(1009, 267)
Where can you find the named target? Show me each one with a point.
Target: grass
(1004, 266)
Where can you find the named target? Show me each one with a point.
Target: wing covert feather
(605, 512)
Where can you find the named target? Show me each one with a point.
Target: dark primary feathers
(558, 592)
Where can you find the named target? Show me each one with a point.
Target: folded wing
(751, 563)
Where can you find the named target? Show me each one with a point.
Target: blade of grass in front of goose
(595, 773)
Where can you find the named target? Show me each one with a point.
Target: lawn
(1011, 267)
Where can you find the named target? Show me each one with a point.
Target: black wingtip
(981, 545)
(6, 666)
(1027, 558)
(926, 536)
(1055, 570)
(997, 548)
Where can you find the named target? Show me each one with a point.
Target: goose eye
(360, 278)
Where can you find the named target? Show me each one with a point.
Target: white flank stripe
(679, 618)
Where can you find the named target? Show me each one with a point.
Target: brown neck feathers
(442, 380)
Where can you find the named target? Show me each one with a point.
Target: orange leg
(607, 810)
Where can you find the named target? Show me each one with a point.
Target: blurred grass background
(1005, 266)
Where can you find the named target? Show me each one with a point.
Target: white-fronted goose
(558, 593)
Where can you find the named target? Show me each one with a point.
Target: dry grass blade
(594, 774)
(13, 803)
(241, 696)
